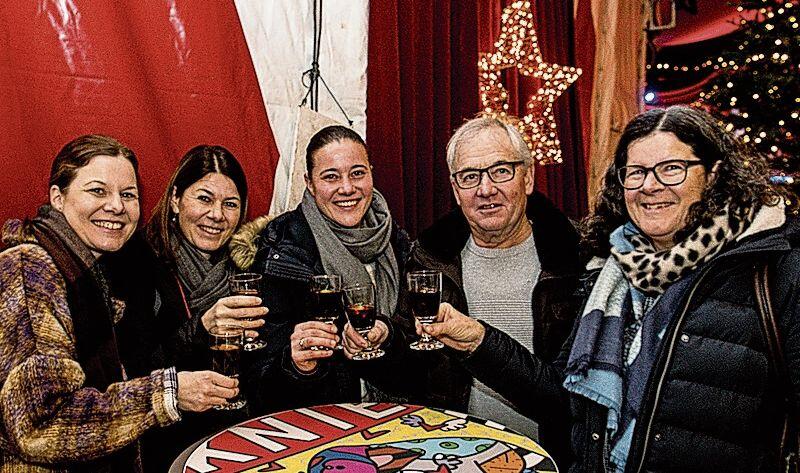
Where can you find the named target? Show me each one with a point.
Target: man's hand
(454, 329)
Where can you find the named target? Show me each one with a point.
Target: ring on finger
(303, 343)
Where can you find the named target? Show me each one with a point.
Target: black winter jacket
(286, 254)
(158, 331)
(554, 304)
(711, 402)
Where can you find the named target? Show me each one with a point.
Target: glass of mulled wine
(226, 354)
(360, 310)
(326, 301)
(248, 284)
(425, 295)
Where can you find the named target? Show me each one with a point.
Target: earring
(174, 218)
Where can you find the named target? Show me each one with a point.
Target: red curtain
(693, 40)
(161, 76)
(712, 20)
(422, 83)
(564, 184)
(422, 76)
(585, 41)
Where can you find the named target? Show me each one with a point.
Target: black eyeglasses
(501, 172)
(669, 173)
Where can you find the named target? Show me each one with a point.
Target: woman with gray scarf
(342, 227)
(181, 267)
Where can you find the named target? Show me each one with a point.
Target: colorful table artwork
(368, 438)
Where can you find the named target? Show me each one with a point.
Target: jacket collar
(780, 239)
(555, 236)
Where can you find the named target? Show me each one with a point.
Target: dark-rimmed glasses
(500, 172)
(669, 173)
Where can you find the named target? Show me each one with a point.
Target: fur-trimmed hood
(243, 246)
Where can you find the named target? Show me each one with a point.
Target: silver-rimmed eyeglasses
(669, 173)
(499, 172)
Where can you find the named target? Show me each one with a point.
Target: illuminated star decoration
(518, 47)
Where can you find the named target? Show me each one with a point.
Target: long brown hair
(741, 175)
(195, 164)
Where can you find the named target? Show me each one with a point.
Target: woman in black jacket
(175, 279)
(343, 227)
(667, 368)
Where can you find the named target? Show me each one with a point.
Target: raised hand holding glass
(248, 284)
(425, 295)
(360, 310)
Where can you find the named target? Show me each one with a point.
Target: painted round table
(365, 438)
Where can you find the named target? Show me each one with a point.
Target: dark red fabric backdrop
(161, 76)
(565, 183)
(422, 84)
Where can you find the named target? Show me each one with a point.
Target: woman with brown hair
(68, 402)
(342, 227)
(180, 268)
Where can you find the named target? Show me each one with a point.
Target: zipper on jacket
(665, 369)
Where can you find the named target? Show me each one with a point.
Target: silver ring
(303, 343)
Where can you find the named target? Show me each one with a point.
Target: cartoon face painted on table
(208, 211)
(101, 204)
(340, 181)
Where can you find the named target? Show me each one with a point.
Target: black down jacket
(712, 401)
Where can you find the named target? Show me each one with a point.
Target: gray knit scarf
(53, 222)
(345, 251)
(204, 277)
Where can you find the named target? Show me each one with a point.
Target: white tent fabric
(308, 123)
(280, 36)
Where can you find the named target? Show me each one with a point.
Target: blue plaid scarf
(601, 367)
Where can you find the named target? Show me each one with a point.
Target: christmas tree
(756, 92)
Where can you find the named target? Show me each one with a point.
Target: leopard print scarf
(652, 271)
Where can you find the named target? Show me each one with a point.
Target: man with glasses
(508, 257)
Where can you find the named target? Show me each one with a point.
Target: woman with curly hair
(668, 367)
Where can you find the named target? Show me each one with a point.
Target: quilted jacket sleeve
(48, 416)
(785, 285)
(531, 384)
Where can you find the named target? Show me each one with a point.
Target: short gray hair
(475, 126)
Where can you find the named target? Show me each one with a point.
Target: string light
(518, 47)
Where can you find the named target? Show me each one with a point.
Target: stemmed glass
(425, 295)
(360, 310)
(326, 301)
(226, 354)
(248, 284)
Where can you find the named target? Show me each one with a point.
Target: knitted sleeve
(48, 416)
